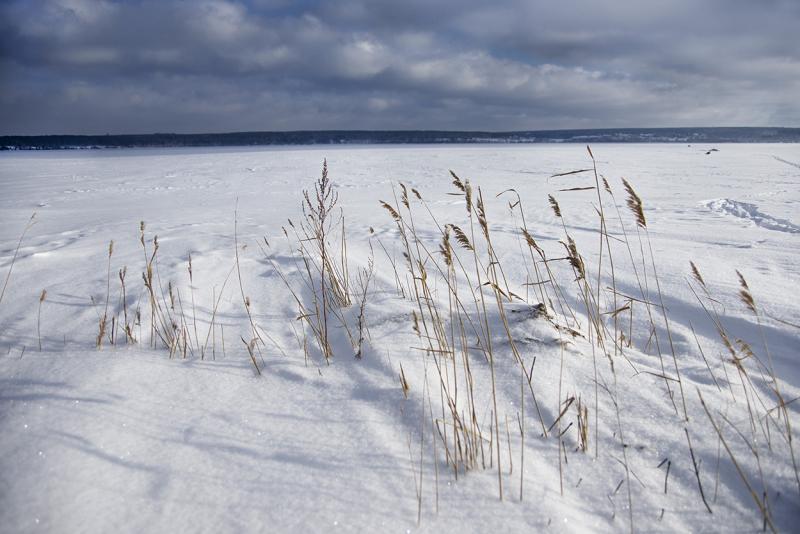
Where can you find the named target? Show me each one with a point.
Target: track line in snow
(786, 161)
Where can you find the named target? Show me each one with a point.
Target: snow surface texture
(750, 212)
(127, 439)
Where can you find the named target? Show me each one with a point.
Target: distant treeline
(621, 135)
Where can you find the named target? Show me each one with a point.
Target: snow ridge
(748, 211)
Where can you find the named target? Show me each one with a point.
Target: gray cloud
(97, 66)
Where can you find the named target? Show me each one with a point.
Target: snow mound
(744, 210)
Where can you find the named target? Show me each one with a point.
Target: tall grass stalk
(28, 226)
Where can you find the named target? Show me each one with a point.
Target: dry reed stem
(28, 226)
(42, 296)
(759, 503)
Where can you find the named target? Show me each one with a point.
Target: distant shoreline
(383, 137)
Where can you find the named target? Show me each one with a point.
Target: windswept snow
(750, 212)
(125, 439)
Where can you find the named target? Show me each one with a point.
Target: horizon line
(407, 130)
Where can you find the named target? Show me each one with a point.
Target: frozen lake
(127, 438)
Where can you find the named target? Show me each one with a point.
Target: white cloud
(465, 64)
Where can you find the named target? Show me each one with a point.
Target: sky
(145, 66)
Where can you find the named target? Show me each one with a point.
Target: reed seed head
(457, 182)
(745, 295)
(404, 196)
(391, 210)
(554, 205)
(606, 186)
(575, 258)
(461, 237)
(635, 204)
(696, 274)
(445, 249)
(482, 216)
(530, 241)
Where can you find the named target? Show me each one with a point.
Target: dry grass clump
(157, 313)
(457, 330)
(363, 281)
(103, 322)
(460, 294)
(319, 251)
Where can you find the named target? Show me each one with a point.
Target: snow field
(135, 437)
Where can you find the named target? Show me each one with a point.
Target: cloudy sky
(139, 66)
